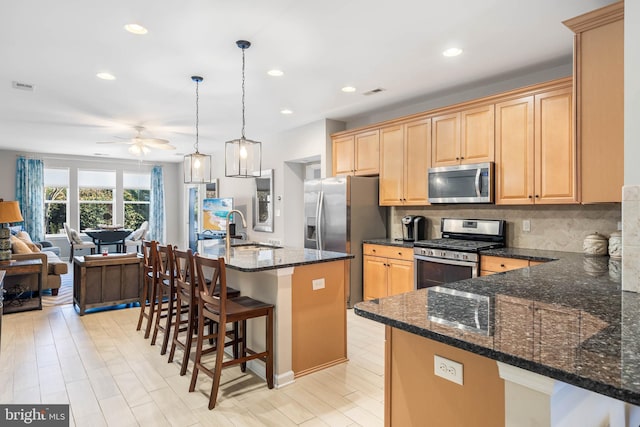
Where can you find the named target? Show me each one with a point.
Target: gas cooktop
(457, 244)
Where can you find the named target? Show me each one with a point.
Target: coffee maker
(413, 228)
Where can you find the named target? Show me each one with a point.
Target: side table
(23, 268)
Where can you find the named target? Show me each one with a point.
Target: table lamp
(9, 212)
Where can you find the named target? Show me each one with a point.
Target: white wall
(631, 92)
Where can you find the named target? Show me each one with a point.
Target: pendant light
(243, 157)
(197, 167)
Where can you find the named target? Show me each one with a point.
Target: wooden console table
(23, 268)
(100, 281)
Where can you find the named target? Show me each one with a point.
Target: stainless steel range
(455, 256)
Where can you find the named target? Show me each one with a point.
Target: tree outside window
(96, 198)
(136, 196)
(56, 199)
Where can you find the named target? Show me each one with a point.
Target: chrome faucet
(228, 236)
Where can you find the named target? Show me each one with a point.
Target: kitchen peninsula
(308, 289)
(565, 337)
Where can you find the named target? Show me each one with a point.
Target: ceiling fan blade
(151, 141)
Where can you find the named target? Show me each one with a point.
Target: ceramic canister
(615, 245)
(595, 244)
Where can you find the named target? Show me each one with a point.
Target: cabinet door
(445, 140)
(417, 159)
(555, 166)
(477, 137)
(514, 169)
(367, 153)
(400, 276)
(391, 166)
(343, 156)
(374, 273)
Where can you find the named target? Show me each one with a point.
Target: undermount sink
(253, 246)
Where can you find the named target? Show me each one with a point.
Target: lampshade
(197, 166)
(10, 212)
(243, 157)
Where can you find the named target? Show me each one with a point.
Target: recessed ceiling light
(348, 89)
(106, 76)
(136, 29)
(452, 51)
(286, 111)
(275, 73)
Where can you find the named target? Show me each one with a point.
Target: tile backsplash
(557, 227)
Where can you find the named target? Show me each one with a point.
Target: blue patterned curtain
(156, 211)
(30, 195)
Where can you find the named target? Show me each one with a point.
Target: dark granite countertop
(528, 254)
(389, 242)
(266, 258)
(566, 319)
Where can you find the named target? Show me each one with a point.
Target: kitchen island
(308, 289)
(563, 335)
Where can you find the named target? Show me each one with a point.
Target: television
(214, 213)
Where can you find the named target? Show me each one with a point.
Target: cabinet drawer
(498, 264)
(395, 252)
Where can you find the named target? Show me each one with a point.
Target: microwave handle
(478, 190)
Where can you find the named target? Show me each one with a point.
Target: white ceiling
(59, 46)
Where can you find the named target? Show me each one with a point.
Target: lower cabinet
(387, 270)
(493, 264)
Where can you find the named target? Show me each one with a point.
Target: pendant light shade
(243, 157)
(197, 166)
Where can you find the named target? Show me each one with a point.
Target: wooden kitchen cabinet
(357, 154)
(535, 149)
(387, 270)
(492, 264)
(464, 137)
(404, 163)
(599, 83)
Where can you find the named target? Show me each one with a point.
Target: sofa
(52, 270)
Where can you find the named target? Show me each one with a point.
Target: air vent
(373, 91)
(23, 86)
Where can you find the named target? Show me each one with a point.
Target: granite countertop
(266, 258)
(566, 319)
(389, 242)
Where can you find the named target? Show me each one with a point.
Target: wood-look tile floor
(110, 375)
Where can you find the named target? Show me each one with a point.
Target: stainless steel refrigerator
(339, 213)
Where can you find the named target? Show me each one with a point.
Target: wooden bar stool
(148, 300)
(223, 310)
(186, 318)
(166, 295)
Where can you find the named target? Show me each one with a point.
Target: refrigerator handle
(319, 230)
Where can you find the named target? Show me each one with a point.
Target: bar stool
(166, 293)
(148, 300)
(186, 303)
(223, 310)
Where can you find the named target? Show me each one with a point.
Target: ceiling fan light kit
(197, 166)
(243, 157)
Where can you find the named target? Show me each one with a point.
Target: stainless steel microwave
(471, 183)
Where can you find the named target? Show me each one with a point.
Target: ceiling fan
(139, 145)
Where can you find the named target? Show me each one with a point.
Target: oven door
(430, 271)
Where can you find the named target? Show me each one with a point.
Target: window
(136, 194)
(56, 199)
(96, 197)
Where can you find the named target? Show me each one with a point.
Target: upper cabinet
(599, 80)
(404, 162)
(535, 149)
(357, 154)
(463, 137)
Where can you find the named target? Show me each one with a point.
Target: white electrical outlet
(318, 284)
(447, 369)
(274, 242)
(619, 225)
(526, 225)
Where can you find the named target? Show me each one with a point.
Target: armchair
(76, 242)
(135, 239)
